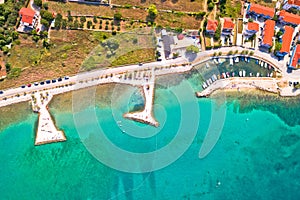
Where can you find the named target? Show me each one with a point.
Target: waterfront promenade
(143, 76)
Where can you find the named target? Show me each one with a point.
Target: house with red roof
(289, 18)
(268, 33)
(261, 11)
(287, 4)
(295, 59)
(211, 26)
(252, 28)
(286, 41)
(28, 17)
(228, 26)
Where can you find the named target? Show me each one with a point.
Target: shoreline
(116, 76)
(237, 83)
(178, 65)
(55, 104)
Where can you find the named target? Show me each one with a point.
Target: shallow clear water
(256, 157)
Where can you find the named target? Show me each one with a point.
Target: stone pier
(46, 131)
(146, 115)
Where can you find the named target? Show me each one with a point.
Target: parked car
(53, 81)
(42, 83)
(66, 77)
(1, 92)
(29, 85)
(59, 79)
(36, 84)
(22, 86)
(48, 81)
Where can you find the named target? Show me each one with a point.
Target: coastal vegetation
(230, 8)
(192, 49)
(183, 5)
(125, 48)
(152, 13)
(33, 62)
(8, 22)
(131, 18)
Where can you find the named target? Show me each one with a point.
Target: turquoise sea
(256, 157)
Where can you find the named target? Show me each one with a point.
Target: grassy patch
(268, 3)
(136, 56)
(165, 19)
(94, 10)
(240, 26)
(173, 20)
(100, 36)
(137, 14)
(230, 8)
(207, 42)
(182, 5)
(125, 48)
(14, 73)
(79, 9)
(235, 32)
(31, 62)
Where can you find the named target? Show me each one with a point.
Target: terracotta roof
(27, 15)
(212, 25)
(253, 26)
(295, 2)
(296, 56)
(289, 17)
(287, 39)
(228, 24)
(262, 10)
(269, 32)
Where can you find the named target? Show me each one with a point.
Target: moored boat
(227, 74)
(223, 75)
(215, 77)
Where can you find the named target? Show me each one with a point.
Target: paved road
(89, 75)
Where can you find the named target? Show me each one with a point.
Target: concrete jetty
(266, 84)
(146, 115)
(46, 131)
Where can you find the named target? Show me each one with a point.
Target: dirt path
(205, 5)
(215, 11)
(201, 26)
